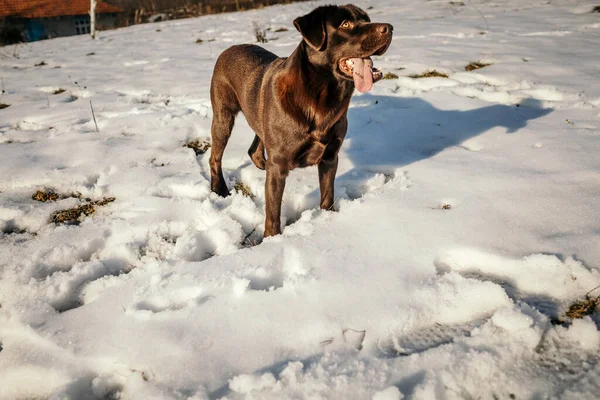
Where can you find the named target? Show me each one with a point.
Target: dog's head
(345, 39)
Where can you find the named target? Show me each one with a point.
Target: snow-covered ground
(468, 218)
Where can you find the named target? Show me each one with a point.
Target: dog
(297, 106)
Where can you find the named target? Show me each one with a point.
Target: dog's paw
(220, 189)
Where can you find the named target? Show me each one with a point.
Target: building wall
(47, 28)
(76, 25)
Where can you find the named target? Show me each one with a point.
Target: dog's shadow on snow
(386, 133)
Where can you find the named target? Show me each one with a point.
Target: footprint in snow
(543, 281)
(171, 303)
(67, 291)
(423, 339)
(285, 269)
(265, 280)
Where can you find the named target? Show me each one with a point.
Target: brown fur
(297, 105)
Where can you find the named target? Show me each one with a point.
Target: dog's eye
(346, 25)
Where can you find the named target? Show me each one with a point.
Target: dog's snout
(385, 28)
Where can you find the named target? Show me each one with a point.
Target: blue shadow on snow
(388, 132)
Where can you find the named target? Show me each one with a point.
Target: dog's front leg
(329, 163)
(276, 175)
(327, 171)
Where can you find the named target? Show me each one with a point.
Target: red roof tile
(52, 8)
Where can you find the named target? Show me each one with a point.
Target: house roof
(52, 8)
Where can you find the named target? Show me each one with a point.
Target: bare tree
(93, 18)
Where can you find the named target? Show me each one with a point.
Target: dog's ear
(312, 28)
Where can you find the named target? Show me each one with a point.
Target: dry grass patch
(242, 188)
(40, 64)
(587, 306)
(581, 308)
(199, 146)
(3, 106)
(429, 74)
(596, 9)
(74, 216)
(443, 206)
(390, 75)
(259, 33)
(477, 65)
(59, 91)
(45, 195)
(71, 216)
(199, 41)
(251, 239)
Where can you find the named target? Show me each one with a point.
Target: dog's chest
(326, 114)
(321, 133)
(311, 149)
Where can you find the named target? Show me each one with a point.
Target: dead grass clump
(45, 195)
(260, 33)
(581, 308)
(446, 207)
(50, 195)
(157, 164)
(59, 91)
(73, 216)
(3, 106)
(104, 201)
(390, 75)
(249, 240)
(596, 9)
(281, 30)
(477, 65)
(199, 146)
(199, 41)
(40, 64)
(429, 74)
(242, 188)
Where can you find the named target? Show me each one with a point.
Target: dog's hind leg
(257, 152)
(225, 107)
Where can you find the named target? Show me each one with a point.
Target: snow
(467, 218)
(584, 333)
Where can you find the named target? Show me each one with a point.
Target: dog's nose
(385, 28)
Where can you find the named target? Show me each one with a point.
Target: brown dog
(297, 105)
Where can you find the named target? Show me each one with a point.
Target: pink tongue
(363, 74)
